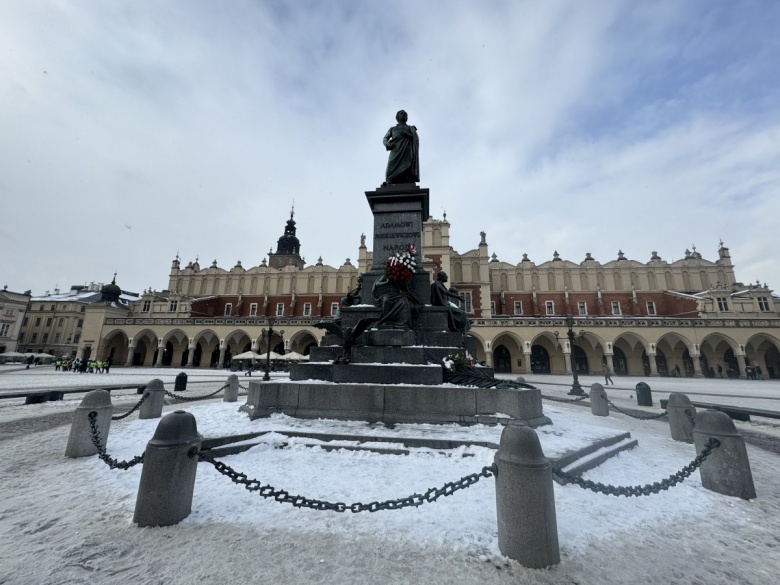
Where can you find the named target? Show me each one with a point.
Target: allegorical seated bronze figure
(398, 306)
(403, 163)
(457, 318)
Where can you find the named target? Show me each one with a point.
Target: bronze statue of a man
(403, 164)
(457, 319)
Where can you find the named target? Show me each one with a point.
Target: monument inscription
(394, 233)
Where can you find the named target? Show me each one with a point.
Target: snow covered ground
(70, 521)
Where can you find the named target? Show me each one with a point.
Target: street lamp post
(576, 389)
(270, 334)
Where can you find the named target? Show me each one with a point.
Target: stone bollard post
(598, 400)
(168, 475)
(644, 397)
(80, 440)
(681, 416)
(727, 469)
(525, 502)
(231, 392)
(153, 405)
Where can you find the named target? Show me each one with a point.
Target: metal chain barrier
(636, 416)
(284, 497)
(647, 489)
(555, 399)
(194, 398)
(132, 410)
(691, 418)
(243, 388)
(112, 463)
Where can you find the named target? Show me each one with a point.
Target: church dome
(110, 292)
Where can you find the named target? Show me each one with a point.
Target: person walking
(607, 375)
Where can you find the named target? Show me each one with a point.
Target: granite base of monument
(395, 403)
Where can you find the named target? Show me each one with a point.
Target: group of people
(751, 372)
(81, 366)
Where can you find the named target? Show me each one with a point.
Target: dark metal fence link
(556, 399)
(647, 489)
(284, 497)
(132, 410)
(194, 398)
(691, 418)
(243, 387)
(636, 416)
(112, 463)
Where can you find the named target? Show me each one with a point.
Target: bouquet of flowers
(459, 361)
(400, 267)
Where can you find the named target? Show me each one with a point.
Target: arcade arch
(116, 347)
(144, 350)
(629, 348)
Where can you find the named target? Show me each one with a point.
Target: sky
(131, 132)
(83, 531)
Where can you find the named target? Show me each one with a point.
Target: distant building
(54, 322)
(640, 318)
(13, 308)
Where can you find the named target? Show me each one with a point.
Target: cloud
(576, 127)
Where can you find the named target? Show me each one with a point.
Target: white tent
(247, 355)
(293, 356)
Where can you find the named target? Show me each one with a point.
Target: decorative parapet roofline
(597, 322)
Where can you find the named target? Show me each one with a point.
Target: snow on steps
(582, 460)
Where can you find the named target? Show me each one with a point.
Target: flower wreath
(400, 267)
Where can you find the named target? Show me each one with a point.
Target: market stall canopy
(247, 355)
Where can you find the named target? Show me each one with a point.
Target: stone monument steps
(233, 444)
(582, 460)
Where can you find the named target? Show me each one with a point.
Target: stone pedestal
(399, 212)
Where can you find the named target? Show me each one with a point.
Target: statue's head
(442, 276)
(401, 117)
